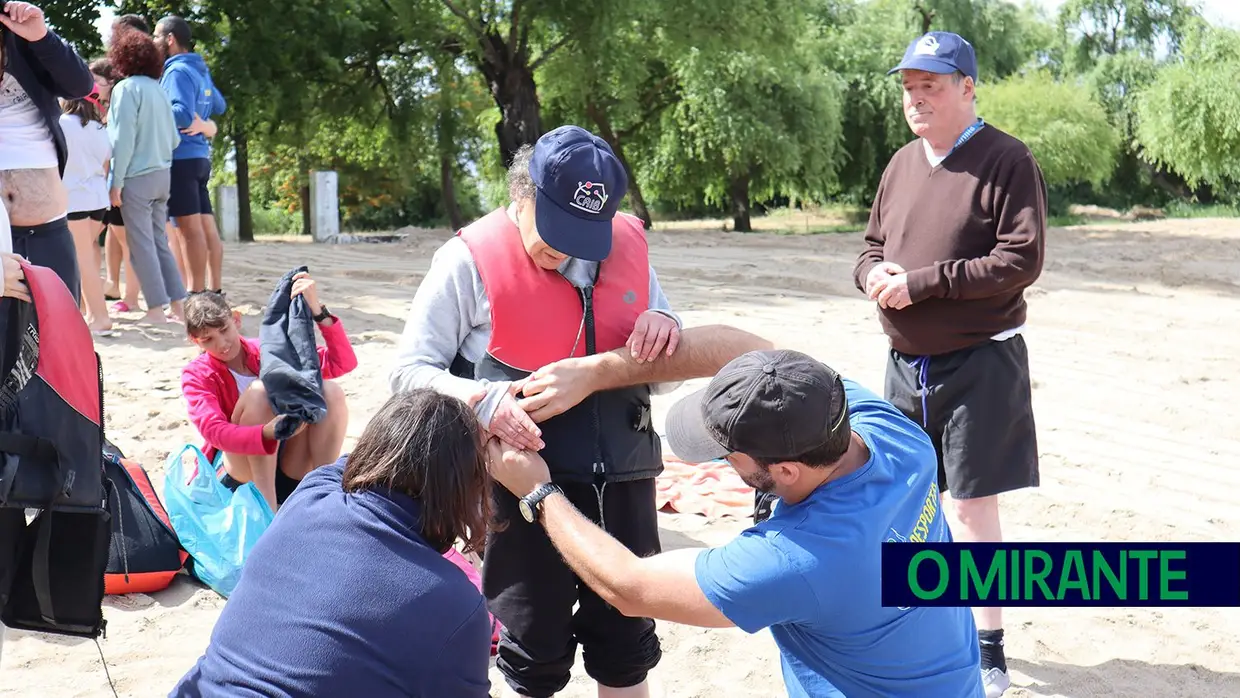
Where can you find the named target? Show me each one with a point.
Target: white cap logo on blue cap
(928, 45)
(590, 197)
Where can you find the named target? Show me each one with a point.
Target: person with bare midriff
(39, 68)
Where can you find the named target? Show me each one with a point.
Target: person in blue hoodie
(195, 99)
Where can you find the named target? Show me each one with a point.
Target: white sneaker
(995, 681)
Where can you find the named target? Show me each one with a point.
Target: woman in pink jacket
(229, 406)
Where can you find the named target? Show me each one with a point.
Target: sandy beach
(1134, 334)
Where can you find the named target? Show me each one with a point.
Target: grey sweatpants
(144, 206)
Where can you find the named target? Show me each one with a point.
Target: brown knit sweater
(971, 233)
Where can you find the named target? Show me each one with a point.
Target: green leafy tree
(1068, 133)
(748, 127)
(74, 21)
(1188, 119)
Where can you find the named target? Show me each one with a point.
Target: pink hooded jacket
(211, 392)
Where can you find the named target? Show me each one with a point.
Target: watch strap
(324, 313)
(533, 499)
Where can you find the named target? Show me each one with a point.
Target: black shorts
(113, 217)
(189, 195)
(96, 215)
(532, 592)
(284, 484)
(977, 406)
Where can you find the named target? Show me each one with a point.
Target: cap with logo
(764, 404)
(939, 52)
(580, 183)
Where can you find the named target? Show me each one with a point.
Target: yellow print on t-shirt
(928, 511)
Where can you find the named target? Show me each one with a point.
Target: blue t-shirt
(812, 574)
(342, 597)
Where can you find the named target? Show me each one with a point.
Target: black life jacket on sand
(51, 444)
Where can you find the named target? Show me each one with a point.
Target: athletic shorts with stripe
(976, 404)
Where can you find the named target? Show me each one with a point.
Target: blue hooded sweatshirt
(187, 81)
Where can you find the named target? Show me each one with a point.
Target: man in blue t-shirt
(851, 472)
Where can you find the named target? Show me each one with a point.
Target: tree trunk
(245, 227)
(511, 80)
(738, 191)
(927, 15)
(445, 134)
(609, 134)
(303, 194)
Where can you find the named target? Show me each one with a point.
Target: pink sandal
(120, 307)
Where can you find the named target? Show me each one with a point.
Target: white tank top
(25, 141)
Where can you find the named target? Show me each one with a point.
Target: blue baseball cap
(580, 183)
(939, 52)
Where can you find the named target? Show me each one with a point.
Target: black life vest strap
(40, 450)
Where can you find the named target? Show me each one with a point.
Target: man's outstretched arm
(663, 586)
(702, 351)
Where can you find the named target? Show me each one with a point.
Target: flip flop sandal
(120, 307)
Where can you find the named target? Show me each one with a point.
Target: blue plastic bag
(217, 526)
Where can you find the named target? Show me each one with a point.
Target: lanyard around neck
(968, 133)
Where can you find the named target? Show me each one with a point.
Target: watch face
(527, 512)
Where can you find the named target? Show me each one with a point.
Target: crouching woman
(229, 406)
(348, 592)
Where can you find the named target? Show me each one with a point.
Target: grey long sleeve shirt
(450, 315)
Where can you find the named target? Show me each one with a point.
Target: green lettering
(915, 586)
(1015, 577)
(1166, 575)
(1143, 572)
(1073, 565)
(970, 576)
(1102, 568)
(1038, 577)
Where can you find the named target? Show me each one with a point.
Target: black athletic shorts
(189, 195)
(532, 592)
(976, 404)
(284, 484)
(96, 215)
(113, 217)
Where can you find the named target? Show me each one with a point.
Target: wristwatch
(530, 503)
(324, 313)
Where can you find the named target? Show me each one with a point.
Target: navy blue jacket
(342, 597)
(47, 70)
(290, 368)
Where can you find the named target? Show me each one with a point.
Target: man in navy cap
(558, 273)
(849, 471)
(957, 232)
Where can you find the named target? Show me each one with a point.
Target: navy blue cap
(939, 52)
(580, 183)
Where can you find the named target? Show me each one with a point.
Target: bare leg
(318, 444)
(215, 252)
(176, 243)
(113, 254)
(132, 286)
(977, 521)
(254, 409)
(85, 237)
(641, 690)
(194, 252)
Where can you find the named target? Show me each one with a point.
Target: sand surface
(1134, 336)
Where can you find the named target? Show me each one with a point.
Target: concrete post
(228, 213)
(324, 206)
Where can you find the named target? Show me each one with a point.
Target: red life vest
(51, 459)
(536, 315)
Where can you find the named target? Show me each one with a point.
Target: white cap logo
(928, 46)
(589, 197)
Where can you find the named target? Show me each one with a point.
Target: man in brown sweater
(956, 233)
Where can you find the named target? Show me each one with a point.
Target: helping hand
(520, 472)
(15, 277)
(269, 429)
(24, 20)
(652, 332)
(555, 388)
(114, 195)
(513, 426)
(306, 287)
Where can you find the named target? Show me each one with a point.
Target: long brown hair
(429, 446)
